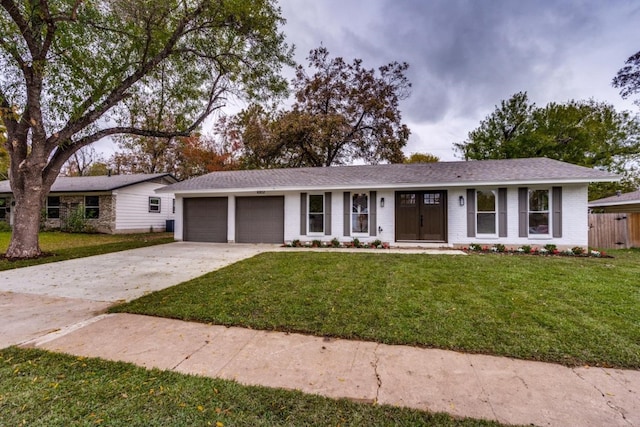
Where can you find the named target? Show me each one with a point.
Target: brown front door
(421, 215)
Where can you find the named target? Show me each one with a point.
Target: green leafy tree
(628, 77)
(586, 133)
(342, 112)
(422, 158)
(75, 72)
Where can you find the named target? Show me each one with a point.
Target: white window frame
(354, 214)
(310, 212)
(151, 205)
(494, 212)
(549, 211)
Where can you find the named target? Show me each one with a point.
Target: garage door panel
(205, 219)
(260, 219)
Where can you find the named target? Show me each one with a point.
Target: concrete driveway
(38, 300)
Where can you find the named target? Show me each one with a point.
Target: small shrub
(316, 244)
(475, 247)
(356, 243)
(551, 248)
(4, 226)
(526, 249)
(296, 243)
(577, 250)
(376, 243)
(499, 247)
(75, 221)
(335, 243)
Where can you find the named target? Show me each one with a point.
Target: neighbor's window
(154, 204)
(316, 213)
(538, 211)
(91, 207)
(4, 203)
(53, 207)
(360, 213)
(486, 212)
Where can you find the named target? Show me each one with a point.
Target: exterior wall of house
(105, 223)
(132, 215)
(574, 218)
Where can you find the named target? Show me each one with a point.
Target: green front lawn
(568, 310)
(41, 388)
(62, 246)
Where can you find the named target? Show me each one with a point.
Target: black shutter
(346, 210)
(502, 212)
(557, 211)
(303, 214)
(471, 212)
(523, 212)
(373, 213)
(327, 214)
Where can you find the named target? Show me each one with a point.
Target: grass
(572, 311)
(62, 246)
(42, 388)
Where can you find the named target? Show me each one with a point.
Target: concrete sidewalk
(506, 390)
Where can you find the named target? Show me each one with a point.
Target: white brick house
(513, 202)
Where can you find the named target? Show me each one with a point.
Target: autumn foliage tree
(75, 72)
(183, 157)
(342, 113)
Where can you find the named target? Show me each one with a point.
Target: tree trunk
(26, 225)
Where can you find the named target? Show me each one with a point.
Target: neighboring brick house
(106, 204)
(511, 202)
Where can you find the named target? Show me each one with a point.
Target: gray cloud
(467, 55)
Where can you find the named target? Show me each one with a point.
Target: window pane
(91, 201)
(316, 203)
(91, 212)
(360, 223)
(53, 213)
(316, 223)
(486, 201)
(538, 200)
(486, 223)
(408, 199)
(431, 198)
(53, 201)
(360, 203)
(538, 223)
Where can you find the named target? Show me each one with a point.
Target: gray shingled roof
(512, 171)
(85, 184)
(625, 198)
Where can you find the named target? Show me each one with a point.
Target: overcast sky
(467, 56)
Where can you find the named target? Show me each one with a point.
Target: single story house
(513, 202)
(108, 204)
(625, 202)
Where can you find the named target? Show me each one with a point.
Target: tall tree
(586, 133)
(628, 77)
(422, 158)
(342, 113)
(83, 162)
(183, 157)
(75, 72)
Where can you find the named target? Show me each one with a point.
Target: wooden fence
(614, 230)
